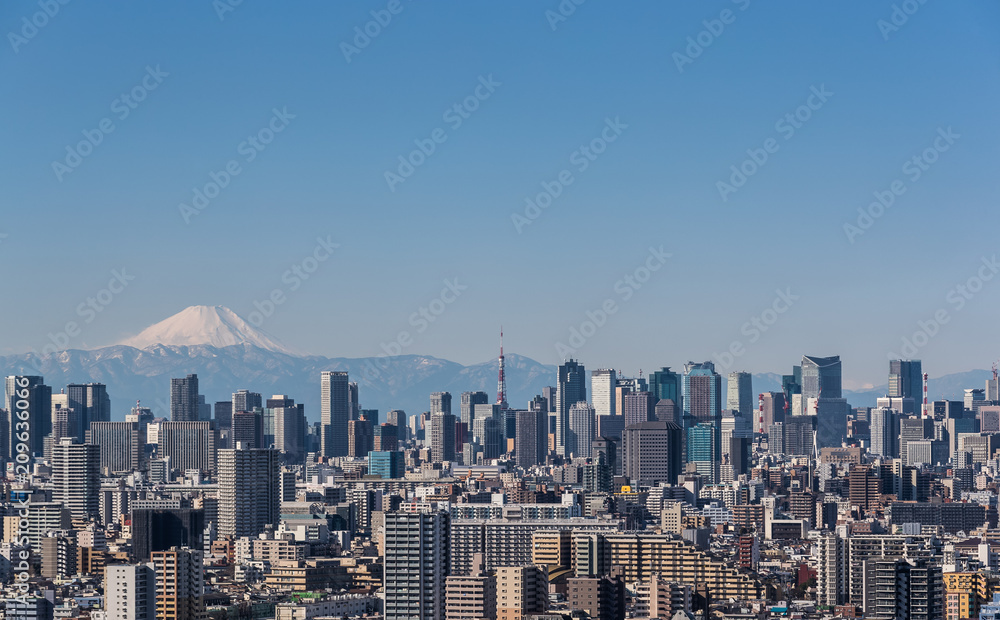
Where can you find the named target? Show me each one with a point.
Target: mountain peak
(217, 326)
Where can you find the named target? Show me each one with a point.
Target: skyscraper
(417, 552)
(488, 435)
(353, 401)
(440, 402)
(190, 445)
(442, 435)
(185, 399)
(245, 400)
(28, 400)
(666, 410)
(249, 491)
(737, 433)
(702, 392)
(360, 438)
(531, 439)
(289, 427)
(334, 413)
(119, 444)
(884, 432)
(65, 422)
(397, 417)
(906, 379)
(248, 429)
(703, 450)
(76, 477)
(774, 406)
(549, 394)
(143, 416)
(625, 386)
(602, 382)
(913, 429)
(638, 407)
(91, 403)
(702, 404)
(223, 416)
(820, 377)
(386, 437)
(581, 430)
(571, 387)
(666, 384)
(469, 401)
(651, 452)
(739, 392)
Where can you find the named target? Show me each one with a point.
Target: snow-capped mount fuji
(228, 353)
(215, 326)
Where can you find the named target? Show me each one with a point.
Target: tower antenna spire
(501, 380)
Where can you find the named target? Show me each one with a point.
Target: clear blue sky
(655, 185)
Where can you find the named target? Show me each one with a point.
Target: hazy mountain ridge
(401, 382)
(258, 362)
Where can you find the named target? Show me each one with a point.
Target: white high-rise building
(602, 382)
(831, 578)
(76, 477)
(130, 592)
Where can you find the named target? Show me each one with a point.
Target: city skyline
(191, 327)
(558, 310)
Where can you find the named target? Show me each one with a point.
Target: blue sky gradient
(656, 184)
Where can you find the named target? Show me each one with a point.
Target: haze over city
(555, 155)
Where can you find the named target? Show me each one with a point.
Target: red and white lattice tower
(760, 410)
(926, 411)
(501, 380)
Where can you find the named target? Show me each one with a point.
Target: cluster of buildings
(678, 494)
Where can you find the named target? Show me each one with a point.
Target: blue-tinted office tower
(386, 464)
(702, 401)
(666, 384)
(703, 451)
(792, 384)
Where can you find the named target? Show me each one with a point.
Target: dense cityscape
(556, 310)
(677, 494)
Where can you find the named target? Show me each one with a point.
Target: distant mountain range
(228, 354)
